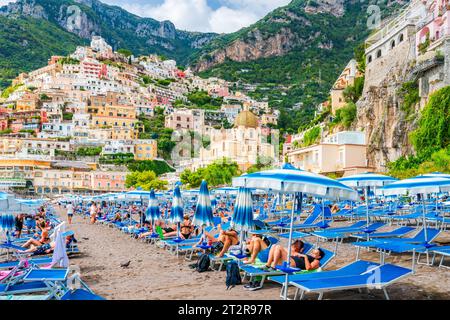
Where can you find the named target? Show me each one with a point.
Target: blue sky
(221, 16)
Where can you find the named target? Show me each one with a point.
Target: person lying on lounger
(44, 237)
(225, 240)
(255, 245)
(297, 259)
(278, 254)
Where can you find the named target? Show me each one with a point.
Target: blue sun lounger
(339, 234)
(399, 232)
(378, 278)
(444, 251)
(356, 268)
(36, 262)
(416, 244)
(311, 222)
(253, 272)
(81, 294)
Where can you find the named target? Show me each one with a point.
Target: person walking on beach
(93, 212)
(69, 208)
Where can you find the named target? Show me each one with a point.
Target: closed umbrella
(152, 213)
(296, 182)
(203, 215)
(177, 212)
(242, 219)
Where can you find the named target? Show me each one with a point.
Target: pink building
(108, 181)
(436, 25)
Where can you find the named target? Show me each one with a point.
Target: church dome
(246, 119)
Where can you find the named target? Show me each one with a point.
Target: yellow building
(346, 79)
(122, 120)
(10, 145)
(28, 102)
(145, 150)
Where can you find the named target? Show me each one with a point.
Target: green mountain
(290, 57)
(294, 54)
(32, 30)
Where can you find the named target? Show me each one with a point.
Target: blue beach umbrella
(243, 211)
(366, 181)
(7, 223)
(296, 182)
(203, 215)
(177, 212)
(152, 213)
(418, 186)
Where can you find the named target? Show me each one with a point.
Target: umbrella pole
(424, 219)
(367, 206)
(286, 282)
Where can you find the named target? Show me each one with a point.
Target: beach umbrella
(203, 215)
(436, 175)
(420, 186)
(366, 181)
(296, 182)
(152, 213)
(242, 219)
(177, 212)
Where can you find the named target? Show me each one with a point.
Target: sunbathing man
(255, 245)
(43, 239)
(225, 240)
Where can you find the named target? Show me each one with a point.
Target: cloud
(220, 16)
(5, 2)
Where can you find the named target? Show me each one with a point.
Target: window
(400, 39)
(378, 53)
(392, 44)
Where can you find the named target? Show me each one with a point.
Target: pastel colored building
(341, 153)
(145, 149)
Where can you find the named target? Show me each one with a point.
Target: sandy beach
(155, 274)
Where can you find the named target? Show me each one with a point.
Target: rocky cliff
(122, 29)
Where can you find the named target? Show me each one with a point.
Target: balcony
(426, 65)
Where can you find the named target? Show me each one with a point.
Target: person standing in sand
(69, 208)
(93, 210)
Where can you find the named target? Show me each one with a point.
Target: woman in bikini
(186, 228)
(43, 239)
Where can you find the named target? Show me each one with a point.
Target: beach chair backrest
(376, 225)
(307, 247)
(431, 234)
(327, 257)
(272, 240)
(217, 220)
(317, 212)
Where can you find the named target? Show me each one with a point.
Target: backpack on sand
(233, 275)
(203, 263)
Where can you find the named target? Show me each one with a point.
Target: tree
(127, 53)
(433, 131)
(146, 180)
(218, 173)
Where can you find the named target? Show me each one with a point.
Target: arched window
(379, 53)
(400, 38)
(369, 59)
(392, 44)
